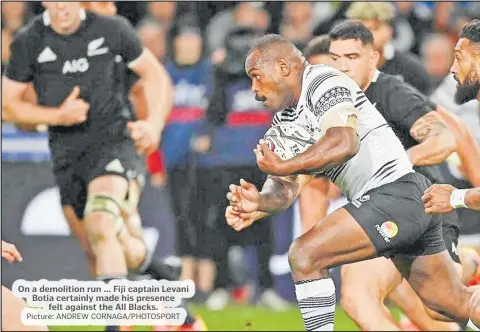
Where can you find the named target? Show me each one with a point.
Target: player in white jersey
(361, 154)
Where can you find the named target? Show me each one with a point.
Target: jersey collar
(375, 76)
(46, 16)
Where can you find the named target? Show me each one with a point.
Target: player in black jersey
(135, 99)
(69, 55)
(379, 18)
(466, 68)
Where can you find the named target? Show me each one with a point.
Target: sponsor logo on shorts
(358, 202)
(115, 166)
(387, 230)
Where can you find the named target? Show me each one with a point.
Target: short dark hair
(264, 43)
(351, 29)
(471, 31)
(318, 45)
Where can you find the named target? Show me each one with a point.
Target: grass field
(245, 318)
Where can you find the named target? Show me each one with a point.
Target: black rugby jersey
(56, 63)
(401, 105)
(409, 68)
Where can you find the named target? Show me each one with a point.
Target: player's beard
(468, 90)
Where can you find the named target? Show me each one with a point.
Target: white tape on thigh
(101, 202)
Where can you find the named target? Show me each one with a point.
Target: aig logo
(75, 66)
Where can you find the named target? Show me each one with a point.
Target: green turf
(244, 318)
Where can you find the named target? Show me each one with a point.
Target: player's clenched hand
(268, 161)
(145, 138)
(437, 198)
(73, 110)
(245, 197)
(239, 220)
(10, 252)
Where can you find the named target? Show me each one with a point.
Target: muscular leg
(131, 237)
(364, 292)
(409, 302)
(314, 202)
(12, 308)
(101, 227)
(470, 265)
(428, 274)
(337, 239)
(78, 230)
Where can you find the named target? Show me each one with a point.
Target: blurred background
(203, 46)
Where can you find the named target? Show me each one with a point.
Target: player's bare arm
(278, 193)
(467, 147)
(16, 109)
(436, 140)
(444, 198)
(159, 97)
(248, 205)
(337, 146)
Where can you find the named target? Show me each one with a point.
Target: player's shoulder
(110, 22)
(388, 81)
(320, 78)
(31, 30)
(316, 72)
(408, 59)
(391, 83)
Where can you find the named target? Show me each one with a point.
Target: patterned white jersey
(381, 158)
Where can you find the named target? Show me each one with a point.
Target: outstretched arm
(467, 147)
(248, 205)
(472, 198)
(444, 198)
(278, 193)
(436, 140)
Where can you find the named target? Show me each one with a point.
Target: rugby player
(70, 56)
(12, 306)
(444, 198)
(316, 195)
(361, 154)
(428, 142)
(131, 236)
(413, 120)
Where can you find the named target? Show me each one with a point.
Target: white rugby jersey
(381, 158)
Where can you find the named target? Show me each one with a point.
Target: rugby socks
(472, 326)
(159, 270)
(316, 300)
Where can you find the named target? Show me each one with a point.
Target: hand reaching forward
(240, 220)
(245, 197)
(10, 252)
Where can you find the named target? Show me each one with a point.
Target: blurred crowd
(216, 121)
